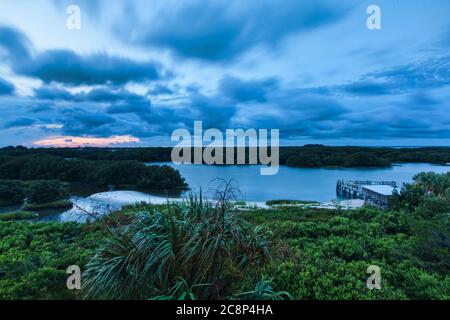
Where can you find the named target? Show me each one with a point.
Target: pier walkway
(374, 192)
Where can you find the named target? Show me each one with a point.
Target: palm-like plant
(183, 252)
(263, 291)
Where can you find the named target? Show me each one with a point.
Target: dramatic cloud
(309, 68)
(16, 45)
(70, 68)
(224, 29)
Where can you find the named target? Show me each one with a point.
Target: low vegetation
(200, 250)
(18, 215)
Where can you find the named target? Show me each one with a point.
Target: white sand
(123, 198)
(86, 209)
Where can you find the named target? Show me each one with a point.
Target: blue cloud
(67, 67)
(6, 87)
(245, 91)
(15, 44)
(70, 68)
(52, 93)
(160, 89)
(431, 73)
(20, 122)
(363, 88)
(141, 107)
(97, 95)
(223, 30)
(78, 121)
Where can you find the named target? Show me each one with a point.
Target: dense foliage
(34, 258)
(313, 253)
(325, 254)
(11, 192)
(36, 192)
(45, 191)
(306, 156)
(101, 173)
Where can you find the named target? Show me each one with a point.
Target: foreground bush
(194, 250)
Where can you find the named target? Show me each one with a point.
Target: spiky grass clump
(183, 252)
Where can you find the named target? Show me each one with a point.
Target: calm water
(289, 183)
(297, 183)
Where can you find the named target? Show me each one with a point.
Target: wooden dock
(366, 190)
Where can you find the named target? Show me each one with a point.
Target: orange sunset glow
(74, 142)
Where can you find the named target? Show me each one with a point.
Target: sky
(135, 71)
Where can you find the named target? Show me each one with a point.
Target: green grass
(60, 204)
(19, 215)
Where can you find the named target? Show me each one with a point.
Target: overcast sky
(137, 70)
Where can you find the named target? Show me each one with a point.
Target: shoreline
(99, 204)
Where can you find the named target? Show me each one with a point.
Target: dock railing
(353, 189)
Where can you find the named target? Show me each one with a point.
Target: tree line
(309, 156)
